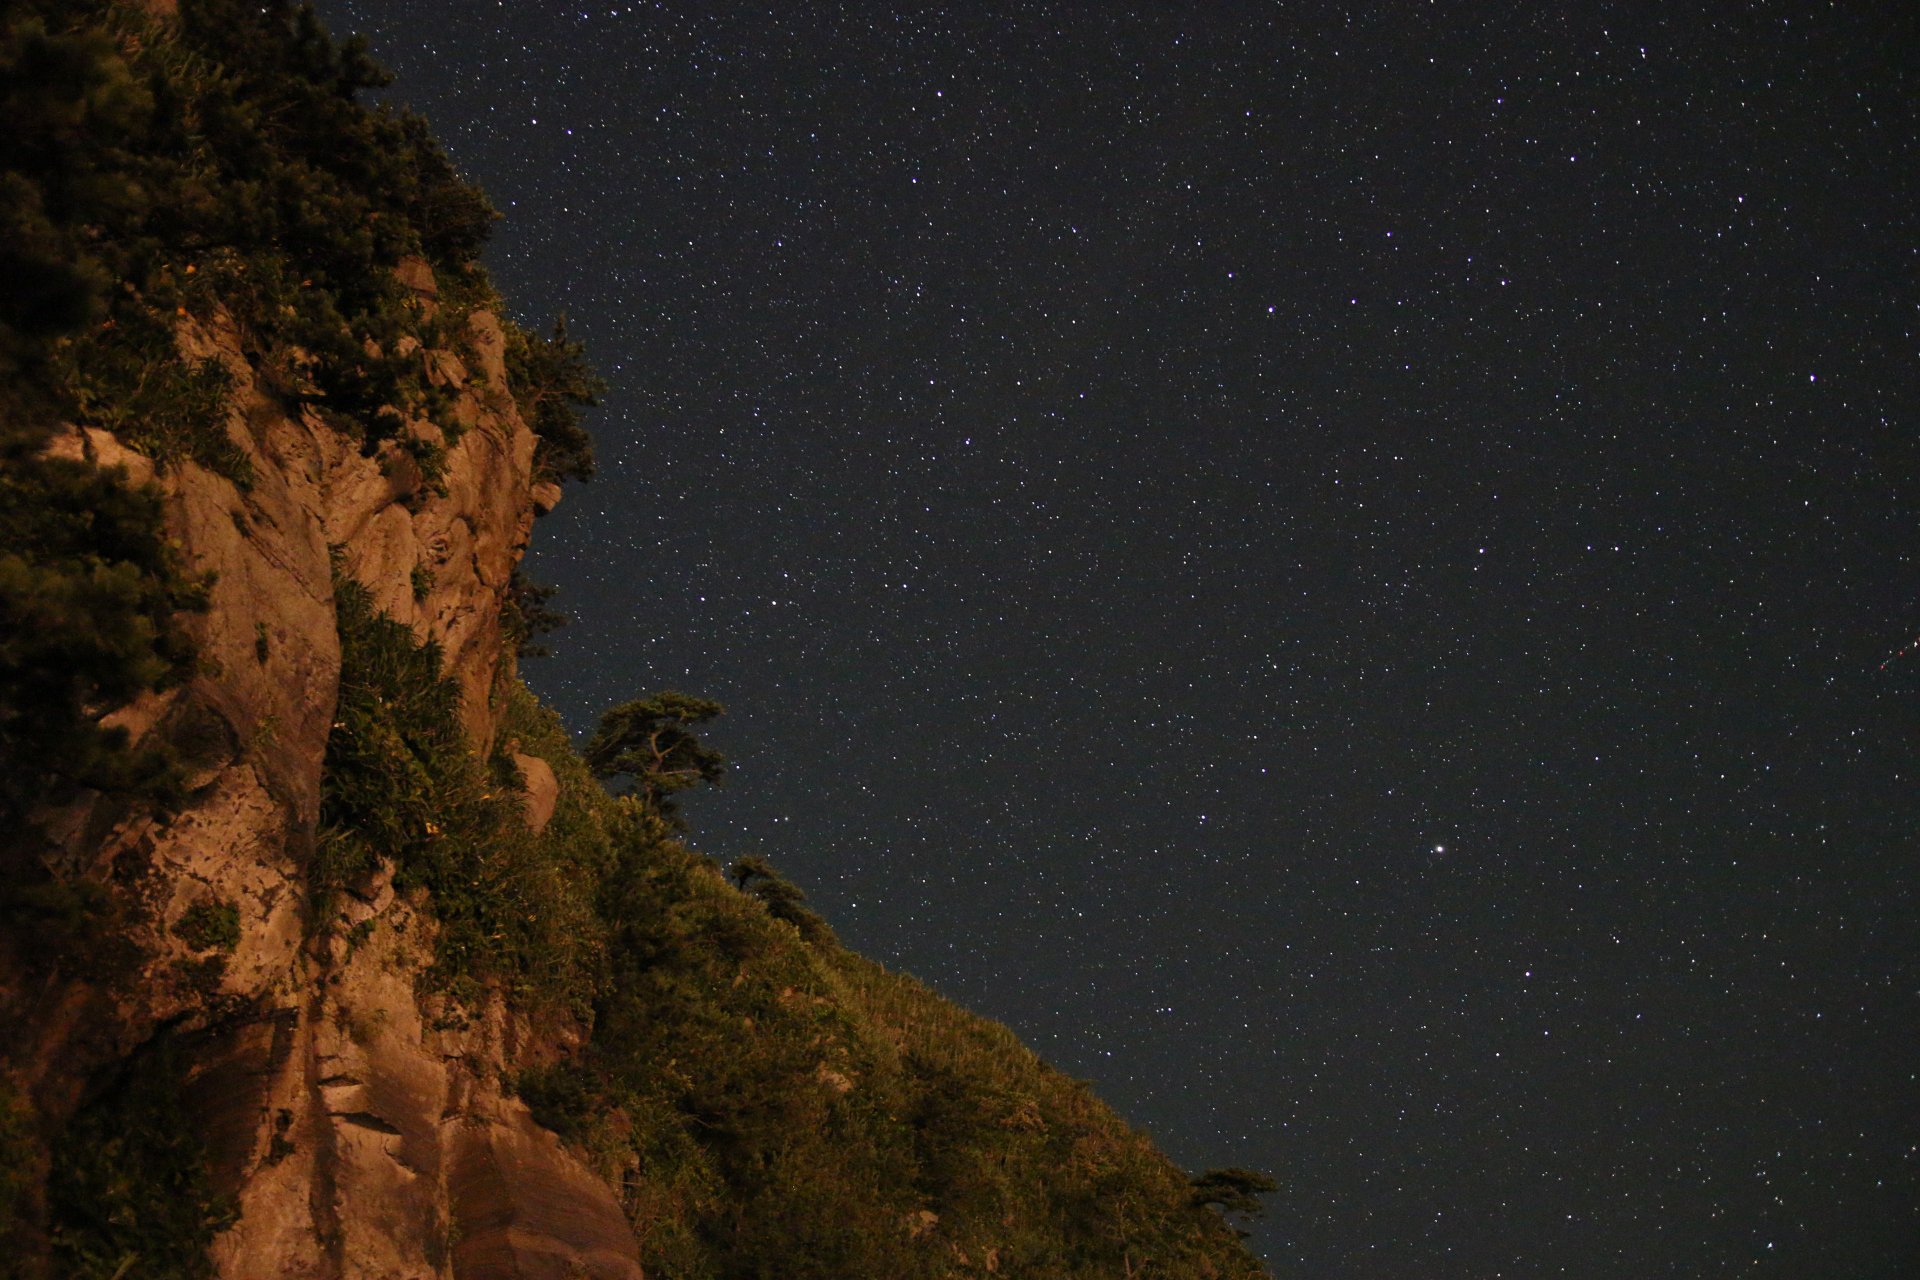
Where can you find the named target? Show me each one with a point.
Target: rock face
(369, 1135)
(360, 1127)
(542, 791)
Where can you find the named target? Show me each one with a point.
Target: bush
(131, 381)
(210, 926)
(400, 782)
(88, 593)
(794, 1110)
(552, 382)
(152, 170)
(129, 1184)
(526, 615)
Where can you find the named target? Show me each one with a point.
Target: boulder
(541, 792)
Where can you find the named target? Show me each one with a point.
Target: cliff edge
(323, 952)
(357, 1130)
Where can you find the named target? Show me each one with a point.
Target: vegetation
(401, 784)
(129, 1184)
(210, 926)
(164, 178)
(526, 615)
(754, 876)
(88, 594)
(1233, 1191)
(552, 382)
(770, 1104)
(766, 1103)
(651, 743)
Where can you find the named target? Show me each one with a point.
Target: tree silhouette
(651, 741)
(1233, 1191)
(754, 875)
(552, 382)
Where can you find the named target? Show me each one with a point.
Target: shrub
(152, 170)
(551, 382)
(401, 782)
(210, 926)
(129, 1183)
(526, 615)
(88, 593)
(131, 381)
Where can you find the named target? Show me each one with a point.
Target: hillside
(323, 951)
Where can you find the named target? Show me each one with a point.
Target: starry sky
(1346, 571)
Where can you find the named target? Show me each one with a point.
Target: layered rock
(360, 1128)
(367, 1133)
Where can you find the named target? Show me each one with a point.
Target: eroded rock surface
(361, 1128)
(382, 1143)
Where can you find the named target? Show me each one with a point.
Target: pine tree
(651, 741)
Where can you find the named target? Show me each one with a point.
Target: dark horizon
(1349, 577)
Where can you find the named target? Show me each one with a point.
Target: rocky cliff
(323, 953)
(358, 1130)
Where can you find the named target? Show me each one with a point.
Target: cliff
(324, 953)
(351, 1130)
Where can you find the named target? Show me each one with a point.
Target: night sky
(1345, 572)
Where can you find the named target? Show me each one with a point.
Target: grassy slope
(772, 1104)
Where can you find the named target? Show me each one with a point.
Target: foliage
(88, 590)
(130, 379)
(561, 1097)
(129, 1184)
(526, 615)
(210, 926)
(651, 741)
(768, 1103)
(400, 783)
(152, 174)
(162, 170)
(552, 382)
(1234, 1191)
(76, 926)
(783, 899)
(166, 178)
(772, 1105)
(87, 584)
